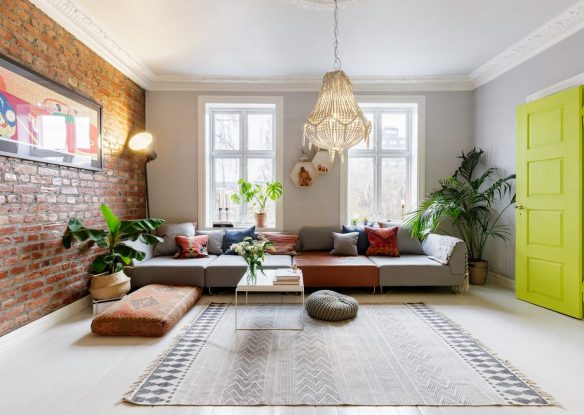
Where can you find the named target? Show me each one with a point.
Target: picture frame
(44, 121)
(303, 174)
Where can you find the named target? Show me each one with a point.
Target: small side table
(265, 283)
(99, 306)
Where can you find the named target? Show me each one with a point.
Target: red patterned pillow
(191, 246)
(382, 241)
(282, 244)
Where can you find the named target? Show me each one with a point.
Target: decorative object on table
(253, 252)
(331, 306)
(257, 196)
(439, 363)
(470, 201)
(336, 123)
(303, 174)
(150, 311)
(345, 243)
(322, 162)
(143, 142)
(44, 121)
(287, 276)
(382, 241)
(109, 280)
(192, 246)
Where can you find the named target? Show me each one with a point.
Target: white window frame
(417, 148)
(204, 143)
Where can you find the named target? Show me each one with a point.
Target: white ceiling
(280, 38)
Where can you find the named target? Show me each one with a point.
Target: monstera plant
(472, 202)
(115, 242)
(258, 195)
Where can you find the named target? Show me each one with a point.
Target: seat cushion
(414, 270)
(168, 270)
(227, 270)
(150, 311)
(331, 306)
(320, 269)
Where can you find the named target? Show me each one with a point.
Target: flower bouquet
(253, 252)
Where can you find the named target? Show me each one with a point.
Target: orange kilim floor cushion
(150, 311)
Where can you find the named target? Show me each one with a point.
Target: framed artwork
(303, 174)
(44, 121)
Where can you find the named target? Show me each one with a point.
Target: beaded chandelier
(336, 122)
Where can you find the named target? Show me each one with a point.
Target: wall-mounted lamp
(144, 143)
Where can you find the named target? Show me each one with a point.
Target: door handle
(518, 206)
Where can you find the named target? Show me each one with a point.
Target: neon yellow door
(549, 202)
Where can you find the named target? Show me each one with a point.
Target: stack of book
(286, 276)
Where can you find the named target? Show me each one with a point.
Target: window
(242, 141)
(383, 182)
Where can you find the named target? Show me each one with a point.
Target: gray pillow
(405, 243)
(215, 245)
(168, 232)
(345, 243)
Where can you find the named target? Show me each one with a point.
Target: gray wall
(172, 118)
(495, 104)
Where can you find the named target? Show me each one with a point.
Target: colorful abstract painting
(42, 120)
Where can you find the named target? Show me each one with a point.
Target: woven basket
(104, 287)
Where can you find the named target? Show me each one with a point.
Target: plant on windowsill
(108, 279)
(257, 196)
(473, 204)
(253, 252)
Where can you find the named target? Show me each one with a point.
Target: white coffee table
(265, 284)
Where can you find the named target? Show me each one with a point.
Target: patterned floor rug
(391, 354)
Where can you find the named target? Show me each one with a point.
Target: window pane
(394, 131)
(226, 131)
(362, 146)
(360, 188)
(226, 177)
(393, 187)
(260, 134)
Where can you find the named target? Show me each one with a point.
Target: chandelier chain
(336, 44)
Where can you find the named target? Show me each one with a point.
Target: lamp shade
(336, 122)
(140, 141)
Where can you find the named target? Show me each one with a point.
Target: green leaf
(99, 264)
(149, 239)
(111, 220)
(274, 190)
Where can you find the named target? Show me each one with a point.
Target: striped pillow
(283, 244)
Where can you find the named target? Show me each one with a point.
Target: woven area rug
(391, 354)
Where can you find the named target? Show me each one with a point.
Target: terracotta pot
(108, 286)
(478, 272)
(260, 219)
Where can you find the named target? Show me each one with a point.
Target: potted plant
(257, 195)
(108, 280)
(472, 202)
(253, 252)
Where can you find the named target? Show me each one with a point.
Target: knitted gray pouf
(331, 306)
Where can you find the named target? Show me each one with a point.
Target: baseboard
(502, 280)
(45, 322)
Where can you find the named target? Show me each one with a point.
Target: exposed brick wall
(37, 275)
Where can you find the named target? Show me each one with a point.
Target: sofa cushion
(282, 243)
(227, 270)
(382, 241)
(317, 238)
(345, 243)
(151, 311)
(234, 236)
(168, 270)
(414, 270)
(168, 232)
(362, 242)
(192, 246)
(215, 246)
(320, 269)
(405, 243)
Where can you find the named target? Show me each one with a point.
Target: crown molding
(69, 15)
(551, 33)
(308, 84)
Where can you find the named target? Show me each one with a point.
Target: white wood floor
(66, 370)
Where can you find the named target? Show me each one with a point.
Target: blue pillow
(362, 241)
(235, 236)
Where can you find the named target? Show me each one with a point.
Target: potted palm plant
(108, 280)
(472, 203)
(257, 195)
